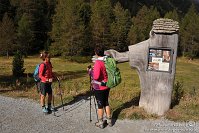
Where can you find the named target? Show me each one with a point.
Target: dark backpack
(36, 72)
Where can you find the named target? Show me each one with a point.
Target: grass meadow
(124, 98)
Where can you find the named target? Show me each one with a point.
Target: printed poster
(159, 59)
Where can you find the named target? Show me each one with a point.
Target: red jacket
(47, 75)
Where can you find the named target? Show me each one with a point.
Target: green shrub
(178, 93)
(18, 65)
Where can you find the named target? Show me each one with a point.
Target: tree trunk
(156, 80)
(7, 54)
(156, 86)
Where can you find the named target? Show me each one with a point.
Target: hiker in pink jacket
(99, 75)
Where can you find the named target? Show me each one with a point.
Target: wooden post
(156, 86)
(156, 72)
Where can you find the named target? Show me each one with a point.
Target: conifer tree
(58, 28)
(68, 28)
(189, 34)
(24, 35)
(36, 12)
(101, 22)
(18, 65)
(7, 35)
(85, 16)
(4, 7)
(172, 15)
(120, 27)
(142, 24)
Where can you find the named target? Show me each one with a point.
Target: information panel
(160, 59)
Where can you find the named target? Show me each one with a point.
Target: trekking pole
(92, 93)
(95, 106)
(60, 92)
(94, 100)
(53, 104)
(90, 98)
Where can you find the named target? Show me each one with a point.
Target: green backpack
(114, 77)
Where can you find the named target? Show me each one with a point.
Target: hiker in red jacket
(99, 74)
(46, 76)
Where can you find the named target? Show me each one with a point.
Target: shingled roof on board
(164, 25)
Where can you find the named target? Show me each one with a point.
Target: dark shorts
(45, 88)
(38, 86)
(102, 98)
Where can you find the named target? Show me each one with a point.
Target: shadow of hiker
(6, 80)
(116, 113)
(9, 80)
(9, 83)
(75, 102)
(5, 91)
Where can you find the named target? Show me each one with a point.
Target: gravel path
(25, 116)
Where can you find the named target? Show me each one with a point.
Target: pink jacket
(100, 74)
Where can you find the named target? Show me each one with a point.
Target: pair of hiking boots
(101, 123)
(47, 110)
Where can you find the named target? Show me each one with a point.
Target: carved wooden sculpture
(155, 61)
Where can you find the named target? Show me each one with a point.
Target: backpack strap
(99, 83)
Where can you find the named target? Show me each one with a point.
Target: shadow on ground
(86, 96)
(75, 103)
(133, 102)
(77, 98)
